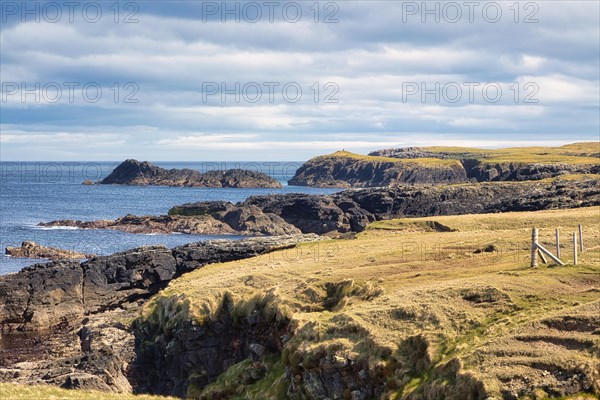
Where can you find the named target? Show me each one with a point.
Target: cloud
(374, 51)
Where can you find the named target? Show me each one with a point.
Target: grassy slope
(429, 279)
(576, 153)
(379, 159)
(20, 392)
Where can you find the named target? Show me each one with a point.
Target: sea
(34, 192)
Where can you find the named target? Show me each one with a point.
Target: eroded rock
(30, 249)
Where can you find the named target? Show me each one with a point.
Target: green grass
(241, 382)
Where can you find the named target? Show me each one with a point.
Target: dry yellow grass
(575, 153)
(40, 392)
(423, 277)
(586, 153)
(380, 159)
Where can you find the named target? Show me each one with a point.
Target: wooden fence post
(580, 239)
(574, 248)
(557, 243)
(534, 247)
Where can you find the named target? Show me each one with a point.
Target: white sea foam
(51, 228)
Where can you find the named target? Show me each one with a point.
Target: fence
(540, 252)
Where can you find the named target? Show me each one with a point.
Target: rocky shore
(45, 295)
(33, 250)
(133, 172)
(66, 323)
(353, 210)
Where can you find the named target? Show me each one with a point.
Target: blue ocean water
(32, 192)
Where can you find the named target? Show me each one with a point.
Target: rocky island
(444, 165)
(133, 172)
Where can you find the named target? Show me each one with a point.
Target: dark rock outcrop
(241, 218)
(353, 210)
(125, 277)
(203, 225)
(485, 172)
(95, 355)
(234, 221)
(44, 295)
(33, 250)
(478, 167)
(165, 360)
(133, 172)
(346, 170)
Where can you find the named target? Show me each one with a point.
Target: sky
(274, 80)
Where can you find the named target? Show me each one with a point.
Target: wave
(51, 228)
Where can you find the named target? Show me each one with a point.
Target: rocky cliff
(133, 172)
(440, 165)
(344, 169)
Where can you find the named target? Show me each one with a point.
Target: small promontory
(142, 173)
(447, 165)
(344, 169)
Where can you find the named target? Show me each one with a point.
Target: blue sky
(372, 75)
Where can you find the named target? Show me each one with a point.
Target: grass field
(21, 392)
(576, 153)
(380, 159)
(460, 285)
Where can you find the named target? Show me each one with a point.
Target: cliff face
(345, 170)
(486, 172)
(440, 165)
(133, 172)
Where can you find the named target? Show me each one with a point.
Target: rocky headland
(30, 249)
(67, 323)
(133, 172)
(352, 210)
(444, 165)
